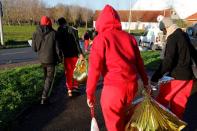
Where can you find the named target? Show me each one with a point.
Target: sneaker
(76, 90)
(154, 88)
(42, 102)
(69, 93)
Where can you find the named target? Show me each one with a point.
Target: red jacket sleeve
(95, 65)
(140, 63)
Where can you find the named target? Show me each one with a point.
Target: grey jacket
(44, 42)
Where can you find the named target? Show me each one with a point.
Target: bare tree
(20, 11)
(75, 13)
(60, 11)
(86, 15)
(68, 14)
(38, 9)
(6, 10)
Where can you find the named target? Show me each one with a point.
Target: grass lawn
(151, 59)
(16, 35)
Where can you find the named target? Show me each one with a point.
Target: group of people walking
(54, 47)
(115, 55)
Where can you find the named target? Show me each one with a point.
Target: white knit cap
(165, 23)
(160, 18)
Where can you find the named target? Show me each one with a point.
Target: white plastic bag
(30, 42)
(165, 79)
(94, 125)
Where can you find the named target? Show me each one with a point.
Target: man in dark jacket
(67, 37)
(44, 43)
(177, 63)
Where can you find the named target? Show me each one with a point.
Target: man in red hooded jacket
(116, 56)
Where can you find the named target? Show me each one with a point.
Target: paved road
(64, 114)
(17, 55)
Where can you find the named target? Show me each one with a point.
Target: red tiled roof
(192, 17)
(138, 15)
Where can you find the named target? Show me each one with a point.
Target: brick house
(192, 19)
(140, 19)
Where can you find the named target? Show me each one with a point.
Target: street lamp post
(1, 25)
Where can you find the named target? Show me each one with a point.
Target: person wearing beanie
(177, 63)
(165, 23)
(44, 43)
(114, 55)
(67, 38)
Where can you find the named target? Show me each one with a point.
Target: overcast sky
(183, 7)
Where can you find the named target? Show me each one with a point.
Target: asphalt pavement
(17, 55)
(63, 114)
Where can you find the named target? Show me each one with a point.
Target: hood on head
(165, 23)
(43, 30)
(108, 19)
(45, 21)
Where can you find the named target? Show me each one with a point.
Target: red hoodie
(114, 54)
(45, 21)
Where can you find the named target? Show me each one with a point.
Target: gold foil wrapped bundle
(81, 71)
(149, 115)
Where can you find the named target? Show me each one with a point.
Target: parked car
(192, 32)
(152, 39)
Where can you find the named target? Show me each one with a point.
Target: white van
(152, 39)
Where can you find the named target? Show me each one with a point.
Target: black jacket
(177, 59)
(68, 41)
(44, 42)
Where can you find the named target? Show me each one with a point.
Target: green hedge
(19, 88)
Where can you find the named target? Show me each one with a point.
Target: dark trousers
(190, 114)
(49, 71)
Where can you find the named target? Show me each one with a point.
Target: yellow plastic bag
(81, 71)
(149, 115)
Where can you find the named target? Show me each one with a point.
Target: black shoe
(76, 90)
(70, 93)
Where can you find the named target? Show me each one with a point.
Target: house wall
(136, 25)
